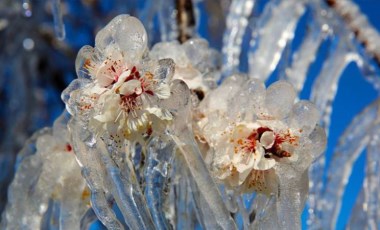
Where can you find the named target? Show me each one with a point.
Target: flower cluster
(250, 130)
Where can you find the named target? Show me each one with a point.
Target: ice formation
(175, 136)
(48, 189)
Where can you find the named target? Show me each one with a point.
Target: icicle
(124, 187)
(59, 26)
(358, 216)
(351, 144)
(264, 209)
(94, 175)
(323, 94)
(160, 157)
(183, 197)
(275, 29)
(372, 179)
(292, 196)
(325, 87)
(185, 20)
(167, 20)
(201, 208)
(48, 177)
(237, 22)
(205, 183)
(182, 134)
(74, 192)
(303, 58)
(146, 15)
(17, 199)
(88, 219)
(243, 212)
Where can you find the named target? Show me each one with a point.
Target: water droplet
(28, 44)
(27, 8)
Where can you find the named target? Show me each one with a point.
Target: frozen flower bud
(196, 64)
(256, 130)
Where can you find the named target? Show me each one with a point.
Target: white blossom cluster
(247, 129)
(134, 111)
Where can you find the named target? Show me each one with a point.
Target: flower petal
(279, 99)
(130, 87)
(267, 139)
(162, 91)
(160, 113)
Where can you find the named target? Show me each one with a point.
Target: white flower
(121, 88)
(128, 106)
(249, 130)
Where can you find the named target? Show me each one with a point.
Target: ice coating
(123, 97)
(195, 63)
(123, 88)
(55, 178)
(130, 115)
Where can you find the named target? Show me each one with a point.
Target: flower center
(269, 140)
(132, 87)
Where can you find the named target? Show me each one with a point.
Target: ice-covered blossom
(250, 130)
(120, 88)
(196, 63)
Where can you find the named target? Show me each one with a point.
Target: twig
(357, 22)
(185, 19)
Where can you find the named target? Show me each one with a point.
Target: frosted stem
(351, 144)
(323, 94)
(358, 23)
(59, 26)
(303, 58)
(358, 215)
(276, 28)
(201, 208)
(372, 179)
(237, 22)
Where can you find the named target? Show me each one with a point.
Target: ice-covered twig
(59, 26)
(47, 180)
(351, 144)
(236, 24)
(359, 25)
(275, 29)
(296, 74)
(372, 179)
